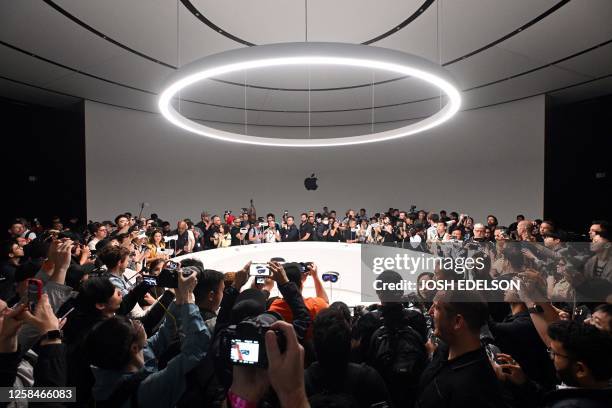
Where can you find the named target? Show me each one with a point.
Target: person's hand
(509, 370)
(278, 273)
(286, 370)
(268, 285)
(85, 252)
(149, 299)
(184, 292)
(11, 321)
(43, 317)
(313, 270)
(431, 347)
(528, 254)
(63, 254)
(533, 287)
(52, 252)
(242, 276)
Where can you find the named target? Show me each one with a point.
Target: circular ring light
(305, 54)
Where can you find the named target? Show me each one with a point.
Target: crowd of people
(103, 308)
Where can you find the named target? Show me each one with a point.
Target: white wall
(481, 161)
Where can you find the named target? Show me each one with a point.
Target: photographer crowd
(104, 309)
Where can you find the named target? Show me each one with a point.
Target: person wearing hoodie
(124, 360)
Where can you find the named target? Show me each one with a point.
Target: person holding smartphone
(255, 234)
(289, 231)
(271, 234)
(334, 234)
(222, 238)
(119, 349)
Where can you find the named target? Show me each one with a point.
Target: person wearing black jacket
(397, 348)
(332, 374)
(99, 299)
(290, 232)
(306, 229)
(583, 362)
(460, 373)
(208, 383)
(517, 336)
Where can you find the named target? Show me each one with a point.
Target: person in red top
(313, 304)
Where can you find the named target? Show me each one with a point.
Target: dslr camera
(168, 277)
(244, 343)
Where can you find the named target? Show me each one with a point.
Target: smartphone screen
(150, 280)
(172, 265)
(259, 269)
(244, 351)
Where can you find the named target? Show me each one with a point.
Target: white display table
(328, 256)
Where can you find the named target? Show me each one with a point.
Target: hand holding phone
(34, 293)
(43, 317)
(260, 270)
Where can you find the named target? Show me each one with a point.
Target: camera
(244, 343)
(303, 266)
(168, 278)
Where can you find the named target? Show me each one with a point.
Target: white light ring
(284, 54)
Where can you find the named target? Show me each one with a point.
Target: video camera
(168, 277)
(244, 343)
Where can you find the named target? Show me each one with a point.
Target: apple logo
(311, 182)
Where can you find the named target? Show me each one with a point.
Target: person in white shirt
(432, 230)
(271, 234)
(99, 232)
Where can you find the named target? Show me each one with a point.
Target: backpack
(399, 356)
(126, 390)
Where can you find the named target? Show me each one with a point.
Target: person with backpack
(332, 375)
(124, 361)
(397, 348)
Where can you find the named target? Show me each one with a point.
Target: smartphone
(34, 293)
(245, 352)
(65, 316)
(172, 265)
(259, 269)
(499, 361)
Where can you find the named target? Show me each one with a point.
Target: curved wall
(483, 160)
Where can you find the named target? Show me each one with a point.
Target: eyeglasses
(552, 353)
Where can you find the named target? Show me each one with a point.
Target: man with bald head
(524, 231)
(185, 240)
